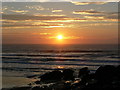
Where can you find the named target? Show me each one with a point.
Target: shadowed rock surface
(54, 75)
(68, 74)
(105, 74)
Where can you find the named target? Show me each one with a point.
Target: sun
(60, 37)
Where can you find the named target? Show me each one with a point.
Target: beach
(105, 77)
(22, 61)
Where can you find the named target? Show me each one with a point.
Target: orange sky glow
(60, 23)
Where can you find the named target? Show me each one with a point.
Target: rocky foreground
(105, 77)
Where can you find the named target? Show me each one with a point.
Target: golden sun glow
(60, 37)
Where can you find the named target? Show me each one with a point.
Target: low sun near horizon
(60, 37)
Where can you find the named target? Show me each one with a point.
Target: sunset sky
(60, 22)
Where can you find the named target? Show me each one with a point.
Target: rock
(31, 76)
(84, 75)
(83, 72)
(105, 77)
(37, 88)
(37, 82)
(105, 74)
(92, 75)
(41, 88)
(54, 75)
(68, 74)
(61, 86)
(20, 88)
(117, 72)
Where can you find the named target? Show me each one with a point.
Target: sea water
(20, 61)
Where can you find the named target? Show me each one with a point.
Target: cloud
(4, 8)
(98, 15)
(30, 17)
(35, 7)
(30, 24)
(94, 17)
(20, 11)
(112, 15)
(102, 18)
(67, 20)
(67, 37)
(41, 34)
(1, 12)
(73, 37)
(87, 3)
(80, 3)
(84, 12)
(59, 0)
(56, 10)
(55, 21)
(38, 14)
(108, 16)
(25, 0)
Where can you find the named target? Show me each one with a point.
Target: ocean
(20, 61)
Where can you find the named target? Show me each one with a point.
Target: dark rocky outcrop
(105, 78)
(54, 75)
(18, 88)
(117, 72)
(83, 72)
(68, 74)
(84, 75)
(105, 74)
